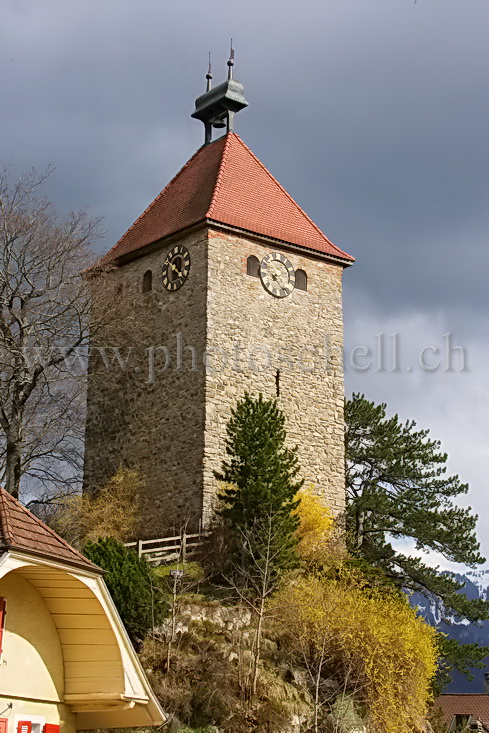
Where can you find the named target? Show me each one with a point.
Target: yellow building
(66, 662)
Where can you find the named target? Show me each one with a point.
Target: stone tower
(236, 290)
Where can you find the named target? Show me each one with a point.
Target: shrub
(371, 640)
(113, 511)
(315, 530)
(132, 584)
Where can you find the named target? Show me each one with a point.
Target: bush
(133, 585)
(315, 530)
(113, 511)
(369, 639)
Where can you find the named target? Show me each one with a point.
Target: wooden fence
(169, 549)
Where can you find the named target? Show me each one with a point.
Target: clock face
(176, 268)
(277, 274)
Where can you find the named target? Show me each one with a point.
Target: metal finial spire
(208, 76)
(217, 106)
(231, 61)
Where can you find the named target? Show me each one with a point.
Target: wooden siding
(92, 660)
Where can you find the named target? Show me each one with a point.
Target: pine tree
(262, 478)
(258, 507)
(132, 584)
(462, 657)
(397, 487)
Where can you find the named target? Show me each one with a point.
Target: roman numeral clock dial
(277, 274)
(176, 268)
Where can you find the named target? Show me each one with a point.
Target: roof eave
(344, 261)
(87, 567)
(214, 223)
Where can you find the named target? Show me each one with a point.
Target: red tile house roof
(224, 183)
(474, 704)
(22, 531)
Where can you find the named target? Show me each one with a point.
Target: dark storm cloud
(372, 113)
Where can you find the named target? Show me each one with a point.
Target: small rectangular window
(24, 726)
(33, 724)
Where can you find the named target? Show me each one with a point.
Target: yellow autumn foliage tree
(370, 641)
(315, 531)
(113, 511)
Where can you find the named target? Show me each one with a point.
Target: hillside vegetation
(339, 650)
(276, 628)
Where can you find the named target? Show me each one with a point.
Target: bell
(219, 123)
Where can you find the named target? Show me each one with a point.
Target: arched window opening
(253, 266)
(147, 281)
(300, 280)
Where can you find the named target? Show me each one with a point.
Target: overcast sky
(373, 114)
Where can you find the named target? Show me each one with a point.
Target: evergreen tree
(258, 507)
(397, 487)
(261, 474)
(132, 584)
(462, 657)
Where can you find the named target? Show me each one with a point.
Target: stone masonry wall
(300, 335)
(153, 419)
(223, 334)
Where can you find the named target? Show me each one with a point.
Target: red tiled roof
(225, 183)
(22, 531)
(465, 703)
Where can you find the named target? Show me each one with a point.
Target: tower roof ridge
(108, 256)
(225, 183)
(299, 209)
(220, 174)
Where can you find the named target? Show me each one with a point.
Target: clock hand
(277, 276)
(175, 269)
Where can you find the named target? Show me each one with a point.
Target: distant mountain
(476, 586)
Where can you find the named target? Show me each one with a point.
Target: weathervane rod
(208, 76)
(231, 61)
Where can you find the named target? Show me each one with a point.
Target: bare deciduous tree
(313, 644)
(45, 303)
(255, 582)
(183, 580)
